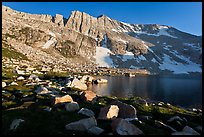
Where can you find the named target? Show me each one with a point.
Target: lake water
(176, 90)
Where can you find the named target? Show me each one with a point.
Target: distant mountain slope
(83, 40)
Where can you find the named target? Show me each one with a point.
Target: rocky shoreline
(43, 103)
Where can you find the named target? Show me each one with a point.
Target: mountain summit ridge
(103, 42)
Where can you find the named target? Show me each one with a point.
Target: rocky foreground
(38, 102)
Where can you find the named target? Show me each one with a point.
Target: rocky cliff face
(85, 40)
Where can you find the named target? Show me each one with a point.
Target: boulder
(82, 125)
(186, 131)
(177, 123)
(108, 112)
(95, 130)
(88, 96)
(86, 112)
(3, 84)
(20, 78)
(15, 123)
(125, 110)
(78, 84)
(123, 127)
(58, 100)
(72, 106)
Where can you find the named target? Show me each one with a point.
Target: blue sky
(185, 16)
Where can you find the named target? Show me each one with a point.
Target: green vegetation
(54, 75)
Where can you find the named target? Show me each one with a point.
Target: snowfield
(103, 58)
(179, 68)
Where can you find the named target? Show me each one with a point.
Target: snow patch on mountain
(161, 32)
(178, 68)
(103, 58)
(193, 46)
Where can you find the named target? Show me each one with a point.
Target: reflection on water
(177, 90)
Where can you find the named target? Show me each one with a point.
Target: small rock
(194, 110)
(95, 130)
(86, 112)
(82, 125)
(160, 103)
(73, 106)
(3, 84)
(15, 123)
(14, 84)
(108, 112)
(140, 122)
(20, 78)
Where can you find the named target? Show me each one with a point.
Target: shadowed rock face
(156, 48)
